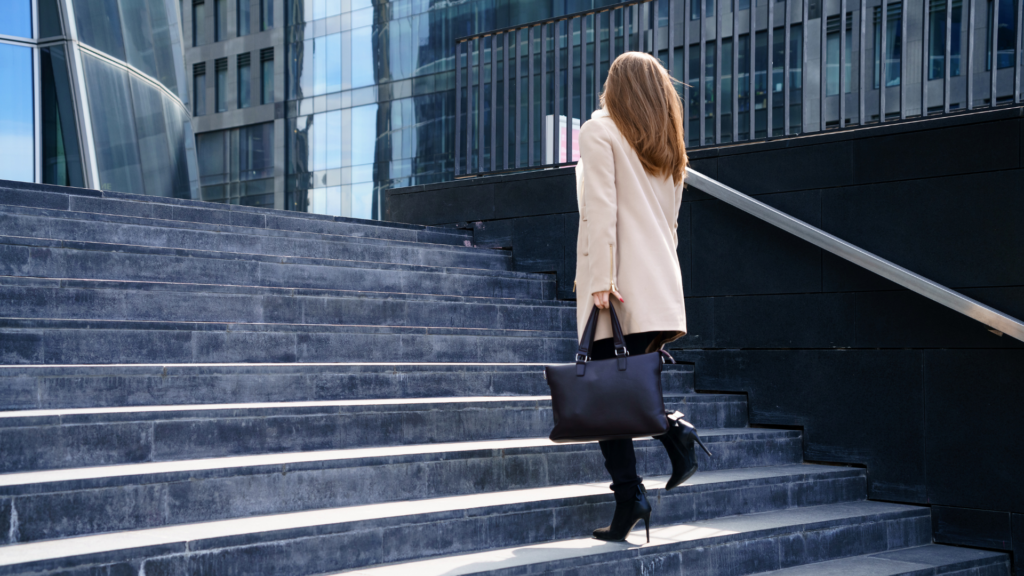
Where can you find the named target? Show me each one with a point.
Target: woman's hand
(601, 298)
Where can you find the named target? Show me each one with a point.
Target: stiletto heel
(627, 515)
(679, 443)
(697, 438)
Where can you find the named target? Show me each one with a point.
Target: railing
(521, 92)
(995, 320)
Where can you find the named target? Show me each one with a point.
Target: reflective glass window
(199, 94)
(893, 43)
(221, 85)
(1007, 34)
(256, 151)
(49, 19)
(362, 57)
(244, 84)
(99, 26)
(937, 39)
(364, 134)
(333, 141)
(220, 20)
(244, 16)
(199, 24)
(17, 128)
(113, 129)
(16, 18)
(62, 163)
(237, 165)
(267, 84)
(212, 157)
(155, 146)
(296, 11)
(182, 153)
(320, 65)
(832, 56)
(266, 14)
(333, 64)
(148, 41)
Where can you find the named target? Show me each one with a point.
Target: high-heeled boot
(627, 513)
(679, 443)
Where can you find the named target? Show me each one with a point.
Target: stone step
(150, 301)
(42, 258)
(35, 341)
(731, 546)
(41, 387)
(84, 227)
(535, 523)
(172, 210)
(928, 560)
(71, 502)
(39, 440)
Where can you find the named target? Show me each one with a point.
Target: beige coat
(627, 238)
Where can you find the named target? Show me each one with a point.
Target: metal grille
(748, 70)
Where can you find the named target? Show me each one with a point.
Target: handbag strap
(587, 340)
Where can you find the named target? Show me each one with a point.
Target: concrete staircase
(193, 388)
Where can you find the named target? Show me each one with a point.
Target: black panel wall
(930, 401)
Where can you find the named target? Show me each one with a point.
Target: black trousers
(619, 457)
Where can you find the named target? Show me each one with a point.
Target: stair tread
(101, 324)
(197, 536)
(209, 254)
(82, 215)
(916, 561)
(248, 409)
(17, 481)
(256, 290)
(675, 537)
(50, 196)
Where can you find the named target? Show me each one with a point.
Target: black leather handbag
(607, 399)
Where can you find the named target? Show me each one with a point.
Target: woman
(629, 185)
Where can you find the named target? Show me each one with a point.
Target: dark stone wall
(930, 401)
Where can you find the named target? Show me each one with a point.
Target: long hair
(643, 103)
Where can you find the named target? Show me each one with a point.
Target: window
(199, 89)
(1007, 34)
(242, 12)
(937, 39)
(266, 14)
(17, 161)
(99, 26)
(709, 8)
(221, 87)
(49, 19)
(220, 20)
(244, 85)
(236, 166)
(266, 75)
(113, 126)
(832, 56)
(893, 43)
(61, 162)
(198, 22)
(16, 18)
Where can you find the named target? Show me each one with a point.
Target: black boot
(628, 512)
(679, 443)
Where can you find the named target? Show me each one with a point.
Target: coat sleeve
(600, 198)
(678, 204)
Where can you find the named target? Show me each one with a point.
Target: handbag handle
(587, 340)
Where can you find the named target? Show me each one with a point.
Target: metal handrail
(951, 299)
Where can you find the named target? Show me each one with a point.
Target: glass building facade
(96, 96)
(370, 101)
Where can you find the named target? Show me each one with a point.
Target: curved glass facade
(110, 108)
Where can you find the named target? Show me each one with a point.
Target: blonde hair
(640, 98)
